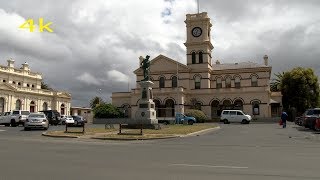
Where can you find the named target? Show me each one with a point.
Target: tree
(275, 84)
(107, 111)
(300, 89)
(45, 86)
(96, 101)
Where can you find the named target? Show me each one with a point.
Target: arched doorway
(18, 104)
(169, 107)
(62, 109)
(158, 108)
(227, 104)
(2, 101)
(32, 106)
(215, 109)
(238, 104)
(45, 106)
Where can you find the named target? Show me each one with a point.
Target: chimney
(10, 63)
(25, 66)
(265, 57)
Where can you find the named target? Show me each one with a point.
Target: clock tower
(198, 42)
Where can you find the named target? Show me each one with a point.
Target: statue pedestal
(146, 113)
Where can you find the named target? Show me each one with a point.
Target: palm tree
(275, 84)
(96, 101)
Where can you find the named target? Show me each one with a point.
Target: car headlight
(44, 120)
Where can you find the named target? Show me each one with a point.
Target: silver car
(36, 120)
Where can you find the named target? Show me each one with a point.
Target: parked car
(18, 117)
(317, 126)
(78, 120)
(36, 120)
(5, 119)
(53, 116)
(310, 116)
(228, 116)
(69, 120)
(178, 119)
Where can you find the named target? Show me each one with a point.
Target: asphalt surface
(255, 151)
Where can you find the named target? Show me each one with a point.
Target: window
(239, 113)
(174, 81)
(197, 82)
(19, 83)
(198, 106)
(219, 83)
(228, 82)
(13, 82)
(161, 82)
(193, 57)
(200, 57)
(255, 108)
(233, 113)
(18, 104)
(32, 86)
(254, 81)
(237, 82)
(4, 80)
(225, 112)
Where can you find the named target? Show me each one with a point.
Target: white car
(228, 116)
(5, 119)
(69, 120)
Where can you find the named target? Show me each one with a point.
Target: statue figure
(145, 65)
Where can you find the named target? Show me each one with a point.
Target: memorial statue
(145, 65)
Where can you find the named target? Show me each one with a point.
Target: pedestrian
(284, 118)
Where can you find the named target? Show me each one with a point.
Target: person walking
(284, 118)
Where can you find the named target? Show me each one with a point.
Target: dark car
(78, 120)
(53, 116)
(310, 117)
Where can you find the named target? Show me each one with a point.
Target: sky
(95, 44)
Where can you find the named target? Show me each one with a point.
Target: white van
(228, 116)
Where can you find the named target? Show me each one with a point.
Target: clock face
(196, 32)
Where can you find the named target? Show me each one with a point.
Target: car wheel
(27, 129)
(225, 121)
(8, 124)
(46, 128)
(13, 123)
(190, 122)
(244, 121)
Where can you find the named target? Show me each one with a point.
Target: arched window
(32, 106)
(2, 101)
(238, 104)
(45, 106)
(197, 82)
(174, 81)
(193, 57)
(227, 104)
(237, 82)
(158, 107)
(161, 82)
(198, 106)
(219, 83)
(255, 108)
(169, 108)
(4, 80)
(228, 82)
(62, 109)
(254, 81)
(200, 57)
(215, 109)
(18, 104)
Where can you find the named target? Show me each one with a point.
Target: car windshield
(70, 117)
(15, 112)
(36, 115)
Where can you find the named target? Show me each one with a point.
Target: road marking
(209, 166)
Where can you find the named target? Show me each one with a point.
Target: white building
(20, 89)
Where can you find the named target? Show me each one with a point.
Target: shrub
(199, 115)
(107, 111)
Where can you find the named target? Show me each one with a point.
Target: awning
(273, 102)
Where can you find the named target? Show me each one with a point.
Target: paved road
(254, 151)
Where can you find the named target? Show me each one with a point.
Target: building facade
(20, 89)
(203, 84)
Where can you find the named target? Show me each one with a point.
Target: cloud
(117, 76)
(88, 79)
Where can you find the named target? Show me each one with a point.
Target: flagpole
(198, 5)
